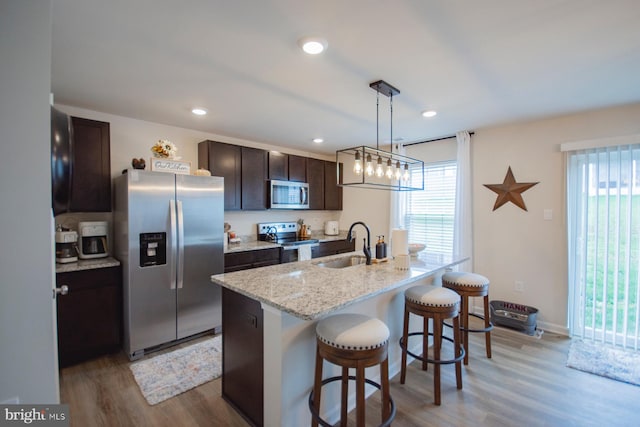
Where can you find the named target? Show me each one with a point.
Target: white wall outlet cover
(548, 214)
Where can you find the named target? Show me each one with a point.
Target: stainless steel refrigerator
(168, 232)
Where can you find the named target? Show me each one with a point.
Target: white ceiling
(477, 62)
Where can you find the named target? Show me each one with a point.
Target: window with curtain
(429, 214)
(603, 193)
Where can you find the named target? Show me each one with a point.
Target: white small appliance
(331, 228)
(93, 239)
(66, 246)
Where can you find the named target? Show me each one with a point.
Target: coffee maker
(66, 246)
(93, 239)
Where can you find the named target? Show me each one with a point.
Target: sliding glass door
(603, 206)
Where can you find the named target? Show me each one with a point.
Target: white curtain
(463, 232)
(398, 202)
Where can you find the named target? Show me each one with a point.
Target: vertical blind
(429, 216)
(603, 207)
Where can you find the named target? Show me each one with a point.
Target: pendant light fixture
(392, 171)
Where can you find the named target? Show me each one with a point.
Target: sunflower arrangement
(165, 149)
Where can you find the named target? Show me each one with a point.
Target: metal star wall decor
(510, 191)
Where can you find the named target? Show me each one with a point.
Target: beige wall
(509, 244)
(513, 245)
(133, 138)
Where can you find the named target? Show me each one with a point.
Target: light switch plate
(548, 214)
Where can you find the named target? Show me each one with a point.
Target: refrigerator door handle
(180, 274)
(174, 235)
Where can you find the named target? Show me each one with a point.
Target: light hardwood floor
(525, 383)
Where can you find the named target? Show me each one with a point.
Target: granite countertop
(308, 291)
(87, 264)
(248, 244)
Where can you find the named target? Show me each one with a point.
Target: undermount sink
(347, 261)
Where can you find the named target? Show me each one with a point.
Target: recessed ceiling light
(318, 140)
(199, 111)
(313, 45)
(429, 113)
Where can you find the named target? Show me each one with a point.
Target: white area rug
(170, 374)
(606, 361)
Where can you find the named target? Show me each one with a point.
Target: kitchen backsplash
(242, 223)
(245, 223)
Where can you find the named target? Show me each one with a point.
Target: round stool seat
(352, 331)
(470, 285)
(432, 296)
(435, 304)
(458, 280)
(352, 341)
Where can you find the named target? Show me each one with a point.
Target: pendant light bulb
(398, 173)
(405, 176)
(369, 166)
(357, 164)
(379, 171)
(389, 172)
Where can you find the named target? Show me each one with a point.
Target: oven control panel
(277, 227)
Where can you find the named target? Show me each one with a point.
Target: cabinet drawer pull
(62, 290)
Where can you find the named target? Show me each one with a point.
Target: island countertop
(308, 291)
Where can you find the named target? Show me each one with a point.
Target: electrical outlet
(519, 286)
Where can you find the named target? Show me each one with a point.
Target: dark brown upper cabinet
(278, 166)
(332, 192)
(246, 172)
(297, 168)
(254, 179)
(224, 160)
(315, 174)
(91, 173)
(287, 167)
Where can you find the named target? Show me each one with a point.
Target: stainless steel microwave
(288, 195)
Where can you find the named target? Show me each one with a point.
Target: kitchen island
(271, 314)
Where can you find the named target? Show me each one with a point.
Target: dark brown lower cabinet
(236, 261)
(332, 247)
(90, 315)
(242, 355)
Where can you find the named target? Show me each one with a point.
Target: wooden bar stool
(438, 304)
(469, 285)
(352, 341)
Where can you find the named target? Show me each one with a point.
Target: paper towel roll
(399, 242)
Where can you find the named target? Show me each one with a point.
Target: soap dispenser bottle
(381, 248)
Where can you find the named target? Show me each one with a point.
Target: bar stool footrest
(439, 362)
(477, 316)
(316, 416)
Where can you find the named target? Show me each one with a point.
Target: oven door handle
(296, 247)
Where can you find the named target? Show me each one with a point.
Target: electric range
(282, 233)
